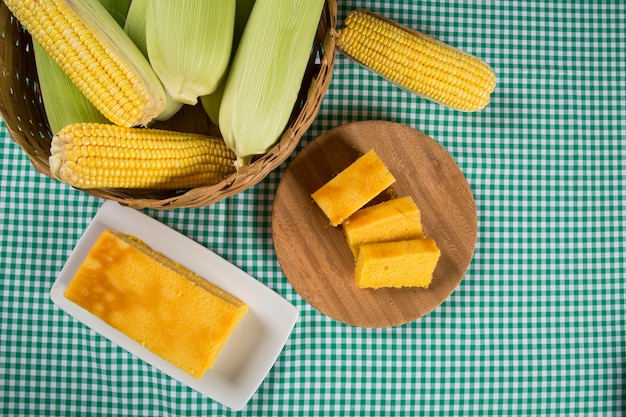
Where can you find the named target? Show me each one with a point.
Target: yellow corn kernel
(417, 62)
(92, 155)
(97, 55)
(63, 101)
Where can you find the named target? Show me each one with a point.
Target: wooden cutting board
(315, 256)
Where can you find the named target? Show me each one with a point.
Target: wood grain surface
(315, 256)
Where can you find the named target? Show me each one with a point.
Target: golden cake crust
(396, 219)
(353, 187)
(162, 305)
(407, 263)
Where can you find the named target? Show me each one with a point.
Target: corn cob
(417, 62)
(189, 45)
(266, 74)
(90, 155)
(100, 59)
(63, 101)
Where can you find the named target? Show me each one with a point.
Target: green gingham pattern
(536, 328)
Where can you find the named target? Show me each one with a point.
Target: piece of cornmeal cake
(155, 301)
(406, 263)
(396, 219)
(353, 187)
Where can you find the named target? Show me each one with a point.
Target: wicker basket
(22, 110)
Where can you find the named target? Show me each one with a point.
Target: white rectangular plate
(253, 347)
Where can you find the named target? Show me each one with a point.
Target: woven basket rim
(23, 113)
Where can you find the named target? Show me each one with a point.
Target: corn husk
(266, 74)
(189, 44)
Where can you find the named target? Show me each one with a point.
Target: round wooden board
(315, 256)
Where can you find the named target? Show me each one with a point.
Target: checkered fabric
(536, 328)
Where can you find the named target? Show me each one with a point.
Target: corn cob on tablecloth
(537, 326)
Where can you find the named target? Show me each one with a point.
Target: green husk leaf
(118, 9)
(211, 102)
(266, 74)
(189, 44)
(135, 27)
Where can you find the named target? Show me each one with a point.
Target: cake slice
(353, 187)
(396, 219)
(406, 263)
(155, 301)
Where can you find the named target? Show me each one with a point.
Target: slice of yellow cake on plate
(353, 187)
(406, 263)
(396, 219)
(155, 301)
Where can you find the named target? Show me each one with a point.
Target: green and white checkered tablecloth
(537, 327)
